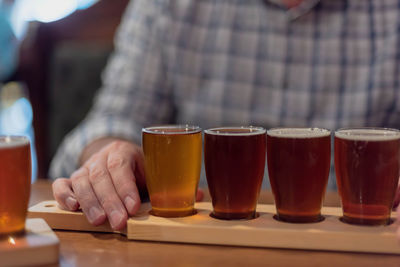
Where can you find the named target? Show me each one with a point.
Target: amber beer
(367, 163)
(15, 182)
(298, 167)
(172, 168)
(234, 160)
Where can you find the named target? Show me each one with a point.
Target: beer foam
(236, 131)
(366, 134)
(298, 132)
(172, 129)
(13, 141)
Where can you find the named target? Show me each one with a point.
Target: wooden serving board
(264, 231)
(38, 246)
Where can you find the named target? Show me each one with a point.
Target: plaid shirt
(327, 63)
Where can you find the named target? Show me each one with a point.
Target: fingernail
(116, 218)
(129, 203)
(94, 214)
(71, 202)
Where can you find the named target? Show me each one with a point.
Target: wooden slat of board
(65, 220)
(330, 234)
(38, 246)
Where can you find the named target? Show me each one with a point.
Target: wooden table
(99, 249)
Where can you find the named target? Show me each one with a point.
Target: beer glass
(172, 167)
(298, 167)
(15, 183)
(234, 160)
(367, 164)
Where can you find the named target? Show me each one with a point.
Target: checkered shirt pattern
(325, 63)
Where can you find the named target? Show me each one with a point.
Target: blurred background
(52, 53)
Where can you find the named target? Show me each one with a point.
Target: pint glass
(367, 163)
(298, 167)
(172, 167)
(15, 183)
(234, 160)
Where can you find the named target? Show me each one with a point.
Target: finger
(122, 175)
(86, 197)
(62, 192)
(106, 194)
(199, 195)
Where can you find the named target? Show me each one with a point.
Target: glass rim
(323, 132)
(11, 140)
(188, 129)
(385, 133)
(257, 130)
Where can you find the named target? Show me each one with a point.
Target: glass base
(234, 216)
(172, 213)
(12, 234)
(363, 221)
(299, 219)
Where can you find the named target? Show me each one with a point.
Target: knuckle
(75, 178)
(124, 184)
(79, 174)
(124, 191)
(94, 157)
(118, 143)
(76, 182)
(116, 162)
(58, 190)
(86, 200)
(56, 184)
(97, 174)
(115, 145)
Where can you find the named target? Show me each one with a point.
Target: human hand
(105, 185)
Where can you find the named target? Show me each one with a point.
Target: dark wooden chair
(61, 62)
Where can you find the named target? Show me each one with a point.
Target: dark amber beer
(298, 167)
(15, 183)
(367, 164)
(172, 168)
(234, 160)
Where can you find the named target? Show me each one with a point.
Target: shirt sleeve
(134, 94)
